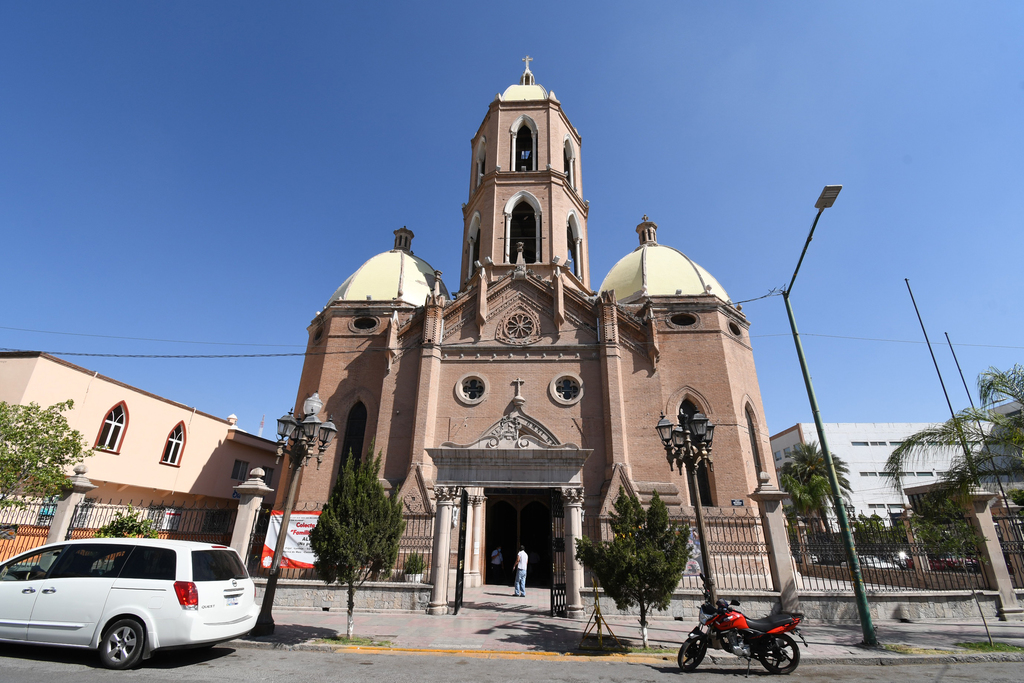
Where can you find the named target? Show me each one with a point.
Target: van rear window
(150, 563)
(216, 565)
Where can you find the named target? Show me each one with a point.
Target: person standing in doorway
(520, 569)
(497, 566)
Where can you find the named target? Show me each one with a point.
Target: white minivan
(126, 597)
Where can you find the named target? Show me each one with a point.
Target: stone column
(476, 575)
(572, 498)
(251, 492)
(69, 500)
(992, 562)
(780, 558)
(444, 497)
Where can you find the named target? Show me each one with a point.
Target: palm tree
(805, 478)
(987, 444)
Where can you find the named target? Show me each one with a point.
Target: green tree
(643, 563)
(36, 448)
(128, 524)
(358, 531)
(985, 444)
(805, 478)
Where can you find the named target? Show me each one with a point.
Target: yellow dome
(656, 270)
(518, 93)
(395, 275)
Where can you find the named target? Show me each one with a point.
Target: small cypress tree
(643, 563)
(358, 531)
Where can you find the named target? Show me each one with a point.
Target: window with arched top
(753, 442)
(174, 446)
(523, 228)
(525, 154)
(112, 430)
(686, 410)
(355, 431)
(473, 245)
(481, 160)
(572, 241)
(569, 163)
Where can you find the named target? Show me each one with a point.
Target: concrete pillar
(992, 562)
(780, 558)
(444, 497)
(475, 576)
(65, 512)
(251, 492)
(572, 498)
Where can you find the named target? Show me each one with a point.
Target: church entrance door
(520, 517)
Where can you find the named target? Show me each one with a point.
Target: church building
(534, 388)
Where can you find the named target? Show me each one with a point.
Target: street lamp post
(305, 435)
(826, 200)
(688, 445)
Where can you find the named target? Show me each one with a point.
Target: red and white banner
(297, 551)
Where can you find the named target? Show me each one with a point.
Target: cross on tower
(527, 59)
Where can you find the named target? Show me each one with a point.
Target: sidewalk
(493, 622)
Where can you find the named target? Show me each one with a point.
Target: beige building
(144, 448)
(532, 388)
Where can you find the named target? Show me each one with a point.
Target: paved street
(227, 664)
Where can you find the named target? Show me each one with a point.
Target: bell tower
(525, 191)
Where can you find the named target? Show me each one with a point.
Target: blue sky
(211, 172)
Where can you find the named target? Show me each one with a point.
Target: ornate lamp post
(296, 439)
(689, 445)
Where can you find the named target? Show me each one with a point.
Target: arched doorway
(535, 534)
(503, 530)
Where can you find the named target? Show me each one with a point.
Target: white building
(865, 447)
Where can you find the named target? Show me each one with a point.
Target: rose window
(472, 388)
(567, 388)
(519, 326)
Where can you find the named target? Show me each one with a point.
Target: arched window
(481, 160)
(523, 229)
(687, 410)
(753, 442)
(473, 246)
(355, 430)
(569, 163)
(525, 153)
(112, 429)
(572, 240)
(174, 446)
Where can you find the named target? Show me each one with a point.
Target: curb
(718, 660)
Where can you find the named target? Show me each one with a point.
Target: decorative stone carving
(572, 496)
(519, 328)
(447, 494)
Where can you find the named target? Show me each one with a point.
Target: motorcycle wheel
(691, 653)
(780, 655)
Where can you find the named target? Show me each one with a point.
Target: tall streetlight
(826, 200)
(688, 445)
(304, 436)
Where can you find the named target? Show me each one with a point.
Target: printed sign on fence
(297, 551)
(693, 565)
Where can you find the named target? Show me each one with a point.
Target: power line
(874, 339)
(169, 341)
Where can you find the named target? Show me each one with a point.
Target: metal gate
(460, 572)
(557, 554)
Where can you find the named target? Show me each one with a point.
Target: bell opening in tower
(524, 229)
(524, 149)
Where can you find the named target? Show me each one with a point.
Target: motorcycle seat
(769, 622)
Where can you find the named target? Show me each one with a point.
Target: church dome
(527, 89)
(654, 269)
(395, 275)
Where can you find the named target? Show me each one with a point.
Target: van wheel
(122, 644)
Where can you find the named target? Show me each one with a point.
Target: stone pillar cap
(254, 485)
(80, 483)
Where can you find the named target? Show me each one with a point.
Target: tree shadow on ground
(292, 634)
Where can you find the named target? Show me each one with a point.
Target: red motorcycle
(724, 628)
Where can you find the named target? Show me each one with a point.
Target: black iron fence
(417, 539)
(1010, 530)
(24, 526)
(891, 558)
(182, 522)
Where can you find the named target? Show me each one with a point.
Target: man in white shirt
(520, 569)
